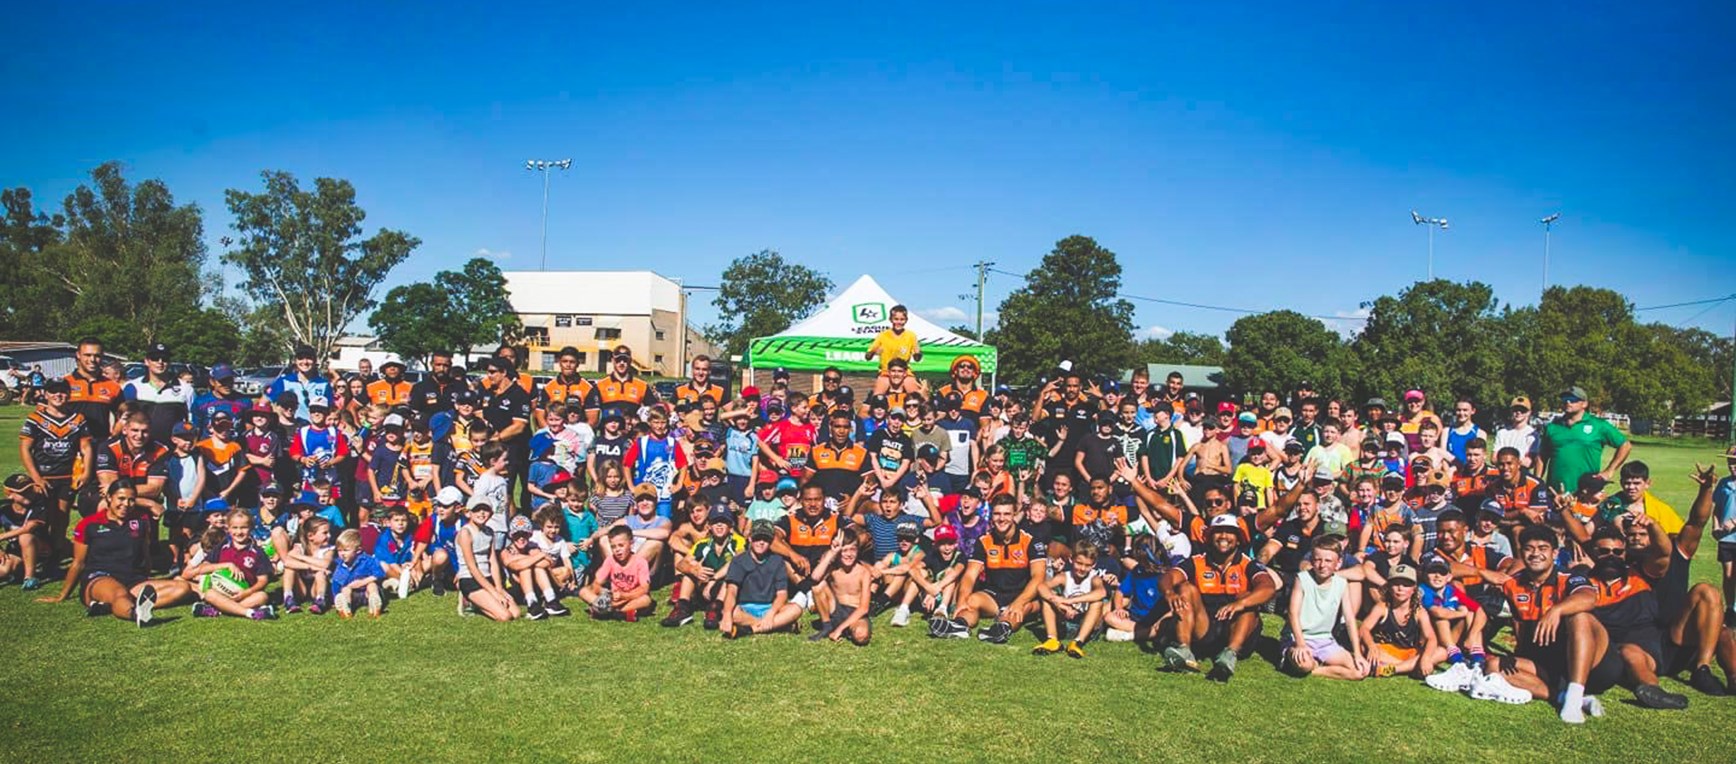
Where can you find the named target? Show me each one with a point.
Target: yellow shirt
(1249, 475)
(1662, 514)
(889, 346)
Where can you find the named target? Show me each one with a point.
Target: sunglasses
(1607, 551)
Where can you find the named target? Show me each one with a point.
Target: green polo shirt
(1576, 449)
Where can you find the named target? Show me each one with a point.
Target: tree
(967, 332)
(203, 336)
(25, 235)
(1279, 349)
(458, 310)
(762, 295)
(1067, 310)
(1655, 377)
(1181, 347)
(301, 254)
(1436, 336)
(265, 341)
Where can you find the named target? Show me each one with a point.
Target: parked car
(255, 381)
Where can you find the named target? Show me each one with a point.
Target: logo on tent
(868, 312)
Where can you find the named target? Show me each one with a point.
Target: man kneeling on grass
(756, 588)
(1217, 596)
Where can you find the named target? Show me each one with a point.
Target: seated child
(530, 567)
(622, 588)
(307, 567)
(233, 576)
(850, 585)
(355, 578)
(1072, 603)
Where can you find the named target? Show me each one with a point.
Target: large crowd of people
(1510, 561)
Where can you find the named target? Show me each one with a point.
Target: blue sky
(1249, 157)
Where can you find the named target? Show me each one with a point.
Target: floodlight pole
(545, 165)
(1548, 222)
(1432, 223)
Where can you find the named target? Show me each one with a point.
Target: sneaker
(205, 610)
(680, 616)
(94, 609)
(996, 634)
(713, 617)
(536, 612)
(439, 586)
(342, 605)
(1117, 635)
(375, 602)
(737, 632)
(315, 607)
(1495, 687)
(1707, 684)
(878, 605)
(1653, 696)
(901, 616)
(1075, 650)
(556, 609)
(1457, 678)
(1048, 646)
(600, 614)
(32, 584)
(260, 613)
(1223, 667)
(1178, 658)
(144, 604)
(952, 628)
(1573, 714)
(820, 635)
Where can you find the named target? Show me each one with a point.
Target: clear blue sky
(1259, 157)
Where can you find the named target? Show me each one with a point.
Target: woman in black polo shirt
(110, 554)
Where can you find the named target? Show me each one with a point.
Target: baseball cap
(1227, 522)
(1247, 417)
(1283, 412)
(1402, 572)
(222, 371)
(222, 414)
(560, 478)
(780, 373)
(1520, 402)
(1226, 407)
(468, 397)
(58, 385)
(449, 496)
(17, 481)
(644, 491)
(1209, 423)
(390, 364)
(896, 413)
(273, 490)
(1375, 403)
(878, 402)
(1191, 396)
(1492, 507)
(750, 392)
(775, 404)
(392, 420)
(184, 430)
(927, 451)
(318, 403)
(1392, 480)
(1436, 564)
(520, 527)
(907, 530)
(762, 529)
(944, 534)
(1413, 395)
(157, 352)
(1574, 393)
(972, 491)
(1323, 475)
(788, 485)
(720, 514)
(1295, 447)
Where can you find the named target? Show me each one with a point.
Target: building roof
(620, 293)
(10, 346)
(1192, 376)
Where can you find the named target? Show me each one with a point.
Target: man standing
(302, 380)
(91, 395)
(391, 388)
(160, 394)
(436, 392)
(622, 392)
(569, 388)
(1464, 428)
(1573, 444)
(506, 408)
(57, 454)
(965, 385)
(699, 384)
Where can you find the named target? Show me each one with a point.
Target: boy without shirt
(849, 580)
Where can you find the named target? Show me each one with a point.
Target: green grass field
(424, 682)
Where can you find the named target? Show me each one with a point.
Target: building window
(604, 333)
(660, 335)
(581, 320)
(657, 358)
(548, 361)
(562, 322)
(536, 336)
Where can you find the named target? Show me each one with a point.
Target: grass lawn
(424, 682)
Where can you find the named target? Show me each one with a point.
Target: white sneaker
(1117, 635)
(901, 616)
(1593, 707)
(1457, 678)
(404, 583)
(1494, 687)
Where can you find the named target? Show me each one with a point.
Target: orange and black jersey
(1479, 557)
(619, 396)
(149, 462)
(1472, 486)
(1529, 493)
(1006, 564)
(565, 391)
(95, 399)
(54, 441)
(1222, 583)
(1529, 601)
(810, 537)
(838, 470)
(687, 393)
(1625, 606)
(1085, 514)
(387, 393)
(975, 400)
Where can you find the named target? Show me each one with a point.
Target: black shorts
(1551, 662)
(1726, 552)
(59, 489)
(1001, 599)
(1672, 590)
(127, 580)
(1607, 673)
(468, 586)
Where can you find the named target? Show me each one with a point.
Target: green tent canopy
(840, 333)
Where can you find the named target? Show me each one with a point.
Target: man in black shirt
(439, 390)
(506, 407)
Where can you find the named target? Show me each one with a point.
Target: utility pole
(982, 269)
(1730, 416)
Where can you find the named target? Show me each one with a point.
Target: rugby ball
(223, 582)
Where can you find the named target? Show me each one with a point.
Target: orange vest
(560, 391)
(687, 392)
(1531, 602)
(381, 391)
(1475, 556)
(1016, 554)
(819, 534)
(611, 390)
(974, 401)
(825, 457)
(136, 466)
(1611, 592)
(1228, 581)
(1084, 514)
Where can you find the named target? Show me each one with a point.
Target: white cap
(449, 496)
(392, 420)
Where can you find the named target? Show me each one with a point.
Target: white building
(594, 311)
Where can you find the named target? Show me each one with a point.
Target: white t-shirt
(560, 548)
(492, 489)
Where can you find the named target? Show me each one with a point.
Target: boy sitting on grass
(531, 568)
(356, 577)
(622, 588)
(1072, 604)
(850, 584)
(394, 550)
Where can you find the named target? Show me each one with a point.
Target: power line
(1703, 311)
(1686, 304)
(1225, 309)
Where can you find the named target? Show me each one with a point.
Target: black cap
(877, 402)
(927, 451)
(157, 352)
(468, 396)
(58, 385)
(780, 373)
(17, 481)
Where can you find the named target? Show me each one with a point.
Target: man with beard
(1627, 606)
(1000, 579)
(973, 399)
(438, 390)
(391, 389)
(1217, 596)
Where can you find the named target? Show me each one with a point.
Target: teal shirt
(580, 526)
(1574, 450)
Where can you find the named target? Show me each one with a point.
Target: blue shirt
(393, 550)
(1724, 505)
(739, 447)
(333, 514)
(1142, 592)
(580, 526)
(304, 390)
(364, 566)
(207, 403)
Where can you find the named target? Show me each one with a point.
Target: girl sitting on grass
(307, 567)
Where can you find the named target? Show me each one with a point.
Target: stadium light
(1432, 223)
(544, 166)
(1548, 223)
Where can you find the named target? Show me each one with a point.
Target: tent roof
(861, 311)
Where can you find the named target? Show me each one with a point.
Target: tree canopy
(760, 295)
(1068, 309)
(458, 310)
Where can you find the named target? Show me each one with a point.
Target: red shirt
(251, 560)
(791, 441)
